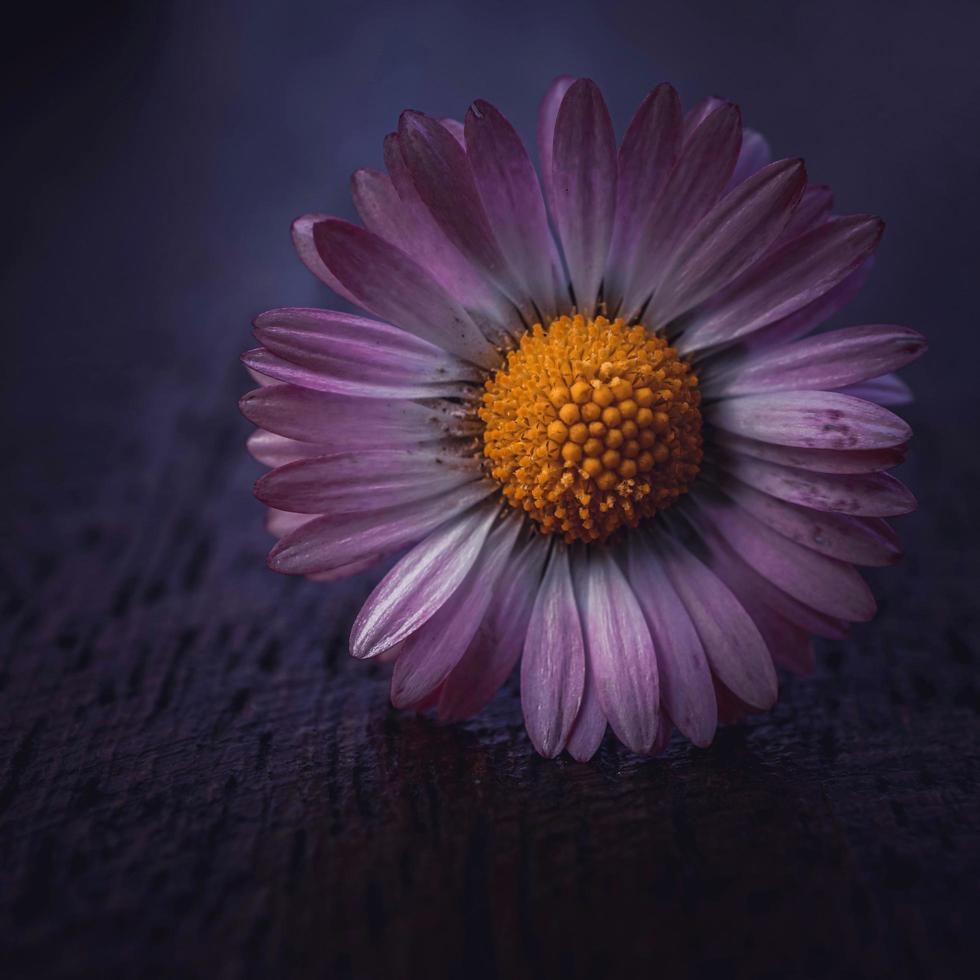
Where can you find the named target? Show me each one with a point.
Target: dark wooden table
(196, 781)
(195, 777)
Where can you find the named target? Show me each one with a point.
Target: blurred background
(155, 156)
(157, 153)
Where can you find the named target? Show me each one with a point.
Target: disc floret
(590, 425)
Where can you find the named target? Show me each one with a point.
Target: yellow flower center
(591, 425)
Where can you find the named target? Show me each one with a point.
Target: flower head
(617, 459)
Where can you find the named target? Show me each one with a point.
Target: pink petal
(394, 287)
(457, 129)
(693, 187)
(735, 649)
(275, 450)
(784, 281)
(755, 591)
(342, 423)
(547, 116)
(334, 540)
(590, 723)
(728, 239)
(444, 180)
(346, 571)
(858, 494)
(416, 588)
(818, 460)
(826, 361)
(698, 113)
(553, 664)
(423, 239)
(365, 480)
(808, 317)
(646, 158)
(813, 209)
(280, 523)
(685, 677)
(584, 187)
(353, 353)
(753, 155)
(789, 645)
(888, 389)
(621, 653)
(863, 541)
(811, 419)
(511, 197)
(345, 379)
(498, 642)
(429, 654)
(827, 585)
(302, 233)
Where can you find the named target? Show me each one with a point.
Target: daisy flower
(590, 415)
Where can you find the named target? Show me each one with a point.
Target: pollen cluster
(591, 425)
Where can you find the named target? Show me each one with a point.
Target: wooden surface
(196, 781)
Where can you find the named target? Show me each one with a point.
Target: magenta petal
(346, 571)
(514, 206)
(458, 130)
(590, 723)
(728, 239)
(374, 381)
(734, 647)
(817, 460)
(394, 287)
(808, 317)
(497, 644)
(826, 361)
(276, 450)
(364, 480)
(752, 589)
(429, 654)
(380, 208)
(547, 115)
(827, 585)
(444, 181)
(873, 494)
(863, 541)
(584, 187)
(789, 644)
(810, 419)
(783, 281)
(415, 231)
(698, 113)
(620, 653)
(394, 212)
(338, 422)
(411, 593)
(685, 677)
(753, 155)
(334, 540)
(814, 209)
(887, 389)
(280, 522)
(302, 233)
(693, 187)
(553, 664)
(646, 157)
(355, 355)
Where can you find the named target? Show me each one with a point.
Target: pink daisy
(615, 458)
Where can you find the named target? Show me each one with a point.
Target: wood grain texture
(196, 780)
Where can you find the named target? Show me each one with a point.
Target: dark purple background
(154, 158)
